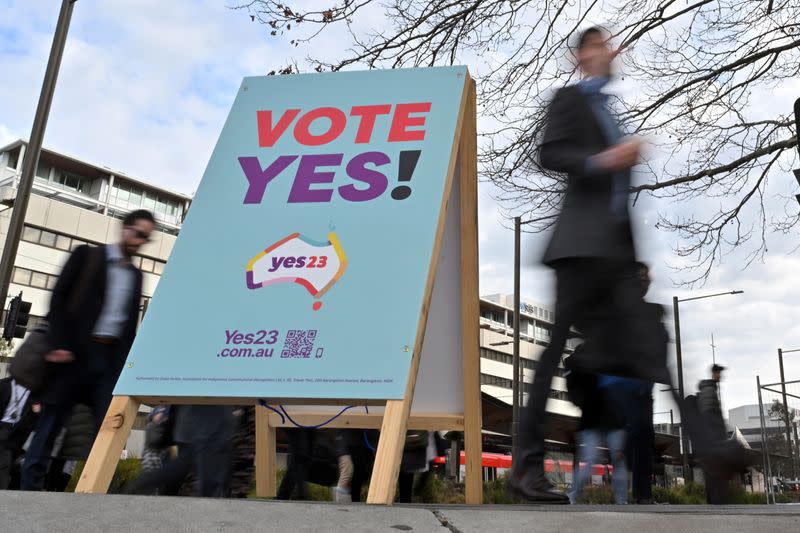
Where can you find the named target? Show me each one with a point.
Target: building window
(31, 234)
(63, 243)
(13, 158)
(31, 278)
(39, 280)
(67, 244)
(486, 379)
(43, 171)
(70, 181)
(21, 276)
(48, 238)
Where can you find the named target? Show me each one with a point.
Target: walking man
(591, 249)
(710, 408)
(92, 321)
(19, 417)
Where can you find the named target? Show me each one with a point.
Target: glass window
(43, 170)
(149, 202)
(22, 276)
(136, 261)
(48, 239)
(158, 267)
(161, 207)
(63, 242)
(51, 282)
(31, 234)
(123, 193)
(13, 158)
(39, 279)
(135, 199)
(147, 264)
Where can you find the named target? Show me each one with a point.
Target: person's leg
(341, 492)
(586, 451)
(577, 286)
(300, 445)
(168, 478)
(406, 483)
(643, 444)
(6, 460)
(212, 461)
(616, 448)
(37, 458)
(102, 386)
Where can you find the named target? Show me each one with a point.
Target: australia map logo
(317, 266)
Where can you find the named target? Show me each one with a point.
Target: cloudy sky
(145, 87)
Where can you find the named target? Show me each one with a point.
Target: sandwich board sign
(307, 265)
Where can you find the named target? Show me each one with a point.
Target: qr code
(299, 343)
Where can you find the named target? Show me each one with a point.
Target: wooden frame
(397, 417)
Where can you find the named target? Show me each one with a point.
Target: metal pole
(687, 472)
(764, 452)
(516, 381)
(786, 415)
(31, 160)
(671, 423)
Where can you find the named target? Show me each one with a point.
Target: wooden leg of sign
(470, 306)
(108, 445)
(266, 475)
(383, 483)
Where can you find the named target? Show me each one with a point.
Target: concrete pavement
(86, 513)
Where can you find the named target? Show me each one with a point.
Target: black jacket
(25, 424)
(71, 323)
(586, 227)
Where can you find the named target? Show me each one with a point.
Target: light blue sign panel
(301, 268)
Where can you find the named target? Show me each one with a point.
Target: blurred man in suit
(94, 312)
(591, 249)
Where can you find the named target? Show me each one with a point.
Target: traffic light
(16, 324)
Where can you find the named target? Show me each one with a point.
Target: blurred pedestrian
(421, 448)
(710, 407)
(157, 438)
(92, 321)
(601, 422)
(591, 249)
(204, 435)
(244, 452)
(19, 417)
(298, 468)
(73, 444)
(344, 441)
(637, 404)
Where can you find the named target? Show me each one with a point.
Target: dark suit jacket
(586, 227)
(26, 422)
(71, 323)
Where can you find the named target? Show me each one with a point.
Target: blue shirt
(119, 290)
(598, 101)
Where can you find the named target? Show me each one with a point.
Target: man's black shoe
(539, 490)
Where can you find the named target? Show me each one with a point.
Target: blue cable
(334, 417)
(263, 403)
(366, 441)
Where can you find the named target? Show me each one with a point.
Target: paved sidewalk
(87, 513)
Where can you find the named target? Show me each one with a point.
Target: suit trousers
(584, 286)
(91, 381)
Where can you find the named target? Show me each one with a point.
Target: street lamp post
(786, 409)
(515, 383)
(687, 473)
(31, 159)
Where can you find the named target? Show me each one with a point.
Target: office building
(75, 202)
